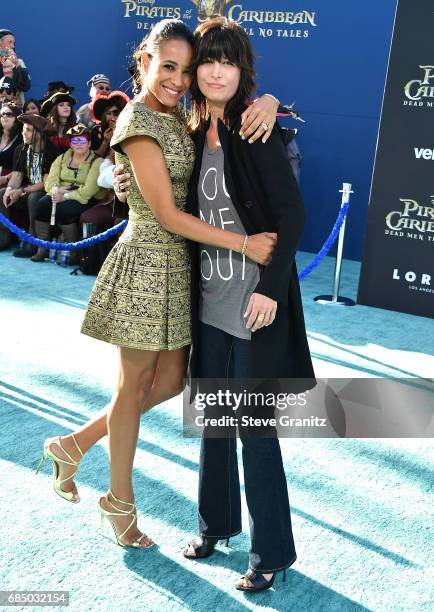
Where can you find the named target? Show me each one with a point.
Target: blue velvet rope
(87, 242)
(327, 244)
(62, 246)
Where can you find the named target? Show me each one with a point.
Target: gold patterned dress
(141, 297)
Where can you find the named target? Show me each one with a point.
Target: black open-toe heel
(203, 546)
(258, 582)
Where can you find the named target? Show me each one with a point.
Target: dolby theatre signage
(398, 261)
(273, 20)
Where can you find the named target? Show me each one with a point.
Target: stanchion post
(336, 298)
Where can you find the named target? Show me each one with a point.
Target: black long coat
(267, 198)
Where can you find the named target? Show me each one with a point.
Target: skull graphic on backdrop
(210, 8)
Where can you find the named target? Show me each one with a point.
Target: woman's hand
(107, 136)
(260, 247)
(13, 58)
(260, 114)
(261, 311)
(11, 196)
(121, 182)
(59, 196)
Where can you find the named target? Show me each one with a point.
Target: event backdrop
(398, 261)
(329, 56)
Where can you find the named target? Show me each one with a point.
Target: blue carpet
(362, 515)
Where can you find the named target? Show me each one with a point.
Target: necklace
(7, 143)
(76, 168)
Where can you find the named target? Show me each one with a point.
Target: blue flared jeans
(272, 548)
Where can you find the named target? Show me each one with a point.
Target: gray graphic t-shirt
(227, 279)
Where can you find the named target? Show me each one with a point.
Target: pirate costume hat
(55, 98)
(98, 78)
(7, 85)
(101, 103)
(53, 87)
(39, 123)
(79, 130)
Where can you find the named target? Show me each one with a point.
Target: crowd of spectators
(56, 164)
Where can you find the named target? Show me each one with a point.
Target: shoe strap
(257, 578)
(66, 453)
(77, 446)
(120, 501)
(132, 512)
(59, 460)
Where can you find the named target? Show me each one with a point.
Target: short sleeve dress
(141, 297)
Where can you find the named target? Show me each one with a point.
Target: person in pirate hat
(58, 109)
(8, 91)
(99, 86)
(72, 186)
(31, 164)
(105, 110)
(54, 87)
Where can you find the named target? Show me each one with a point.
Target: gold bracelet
(244, 249)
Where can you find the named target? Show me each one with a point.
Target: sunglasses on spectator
(79, 140)
(6, 114)
(105, 88)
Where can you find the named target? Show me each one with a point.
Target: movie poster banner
(274, 21)
(398, 261)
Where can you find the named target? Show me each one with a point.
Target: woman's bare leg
(170, 371)
(136, 373)
(169, 376)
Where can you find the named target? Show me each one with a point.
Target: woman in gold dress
(141, 298)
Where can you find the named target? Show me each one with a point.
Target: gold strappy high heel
(57, 483)
(133, 513)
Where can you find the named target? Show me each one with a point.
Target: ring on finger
(264, 126)
(260, 318)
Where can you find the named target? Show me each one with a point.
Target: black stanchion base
(337, 301)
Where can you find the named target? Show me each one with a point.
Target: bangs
(218, 44)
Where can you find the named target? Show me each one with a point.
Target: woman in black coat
(247, 321)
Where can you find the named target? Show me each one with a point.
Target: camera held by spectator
(13, 70)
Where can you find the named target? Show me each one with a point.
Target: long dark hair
(30, 149)
(166, 29)
(17, 126)
(54, 119)
(216, 39)
(32, 101)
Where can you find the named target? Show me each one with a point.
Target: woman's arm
(284, 202)
(262, 111)
(4, 179)
(34, 187)
(152, 177)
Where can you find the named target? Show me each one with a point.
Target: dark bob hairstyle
(216, 39)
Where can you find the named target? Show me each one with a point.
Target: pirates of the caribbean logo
(210, 8)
